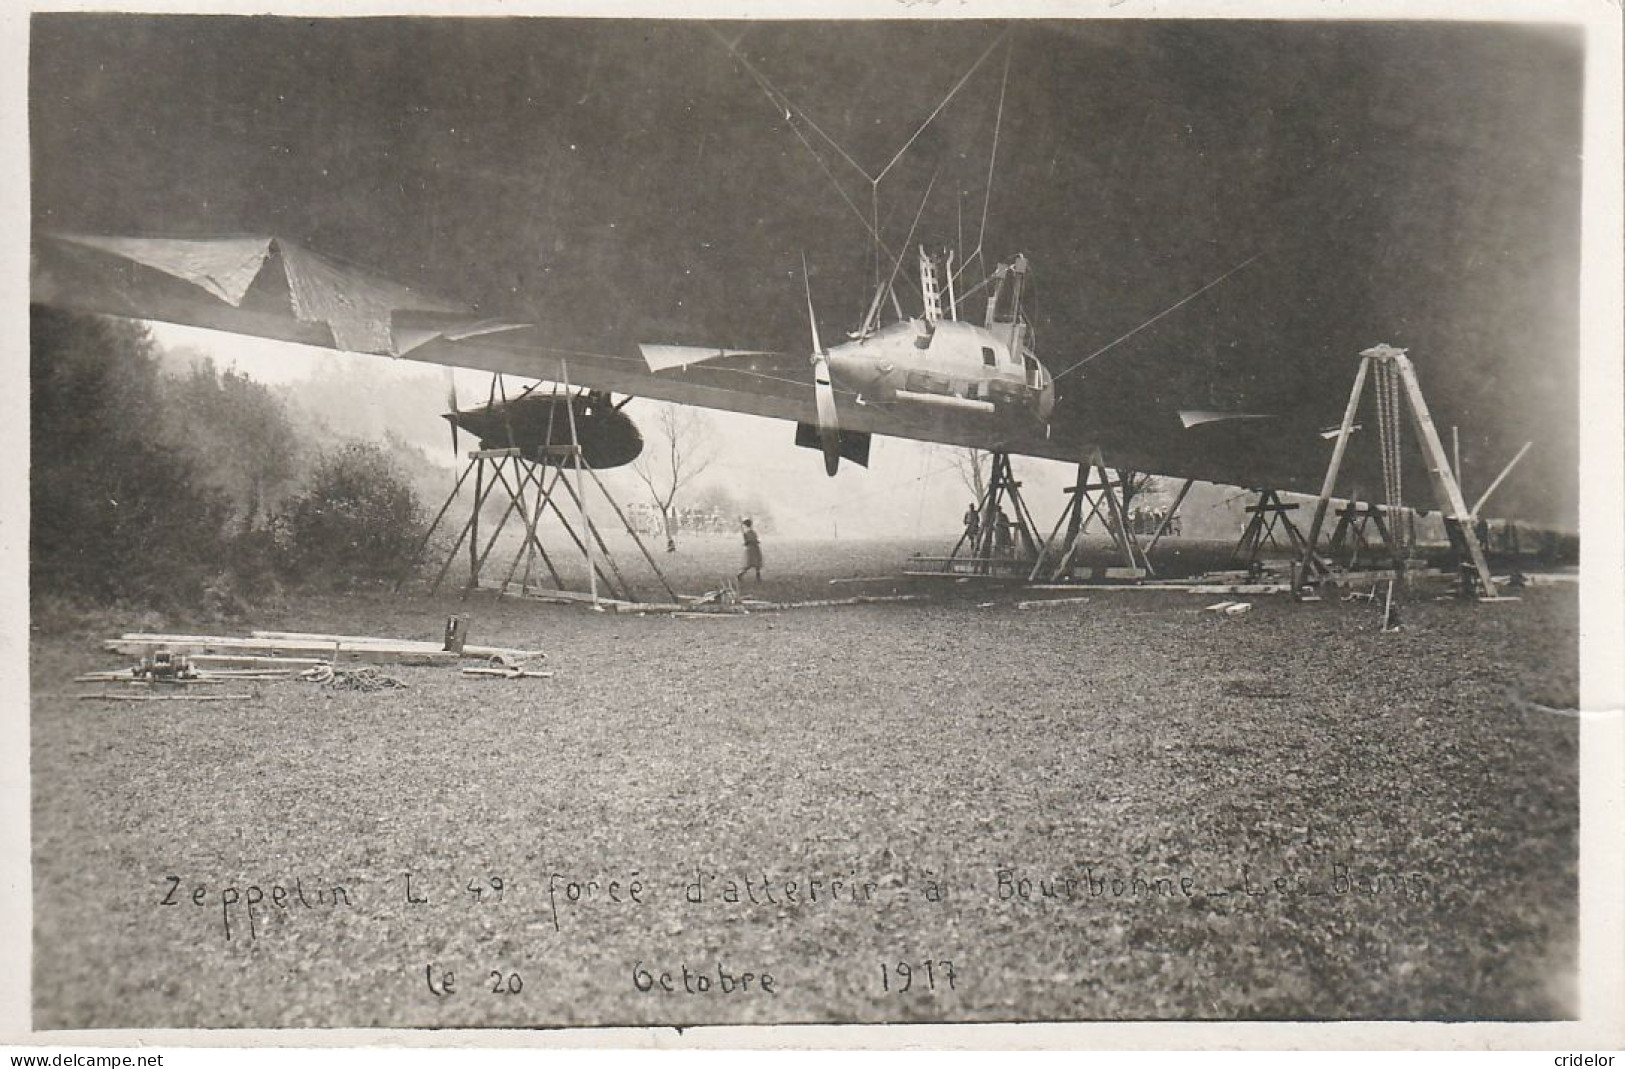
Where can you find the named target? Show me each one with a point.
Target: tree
(117, 510)
(240, 434)
(359, 519)
(971, 465)
(680, 449)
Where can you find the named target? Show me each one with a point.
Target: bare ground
(1120, 809)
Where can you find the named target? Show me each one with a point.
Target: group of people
(648, 520)
(1147, 521)
(1003, 530)
(1143, 521)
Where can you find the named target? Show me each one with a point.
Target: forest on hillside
(162, 482)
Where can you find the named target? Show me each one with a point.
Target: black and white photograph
(539, 522)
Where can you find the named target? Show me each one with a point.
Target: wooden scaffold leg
(1397, 392)
(1268, 514)
(996, 535)
(1098, 487)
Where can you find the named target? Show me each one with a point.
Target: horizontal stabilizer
(666, 357)
(1198, 417)
(854, 444)
(484, 327)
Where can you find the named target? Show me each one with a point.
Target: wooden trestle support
(1269, 513)
(538, 473)
(989, 548)
(1100, 489)
(532, 491)
(1397, 392)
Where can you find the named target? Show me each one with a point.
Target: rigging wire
(987, 194)
(907, 241)
(1173, 307)
(779, 100)
(871, 224)
(945, 101)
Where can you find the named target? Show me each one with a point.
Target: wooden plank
(1177, 588)
(352, 640)
(164, 697)
(1548, 578)
(507, 673)
(1042, 602)
(249, 673)
(248, 660)
(271, 642)
(469, 649)
(825, 603)
(1009, 576)
(1239, 588)
(127, 677)
(1128, 588)
(137, 644)
(205, 644)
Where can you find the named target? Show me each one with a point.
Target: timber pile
(290, 647)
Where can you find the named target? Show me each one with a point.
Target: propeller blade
(451, 402)
(818, 348)
(829, 426)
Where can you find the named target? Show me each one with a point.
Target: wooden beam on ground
(469, 649)
(253, 661)
(1045, 602)
(164, 697)
(825, 603)
(1178, 588)
(138, 645)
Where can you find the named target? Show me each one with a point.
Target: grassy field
(1121, 809)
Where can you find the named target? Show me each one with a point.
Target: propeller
(451, 401)
(829, 427)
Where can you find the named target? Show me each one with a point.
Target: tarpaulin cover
(226, 267)
(357, 307)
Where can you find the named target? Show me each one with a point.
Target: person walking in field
(753, 553)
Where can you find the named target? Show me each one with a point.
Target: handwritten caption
(558, 902)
